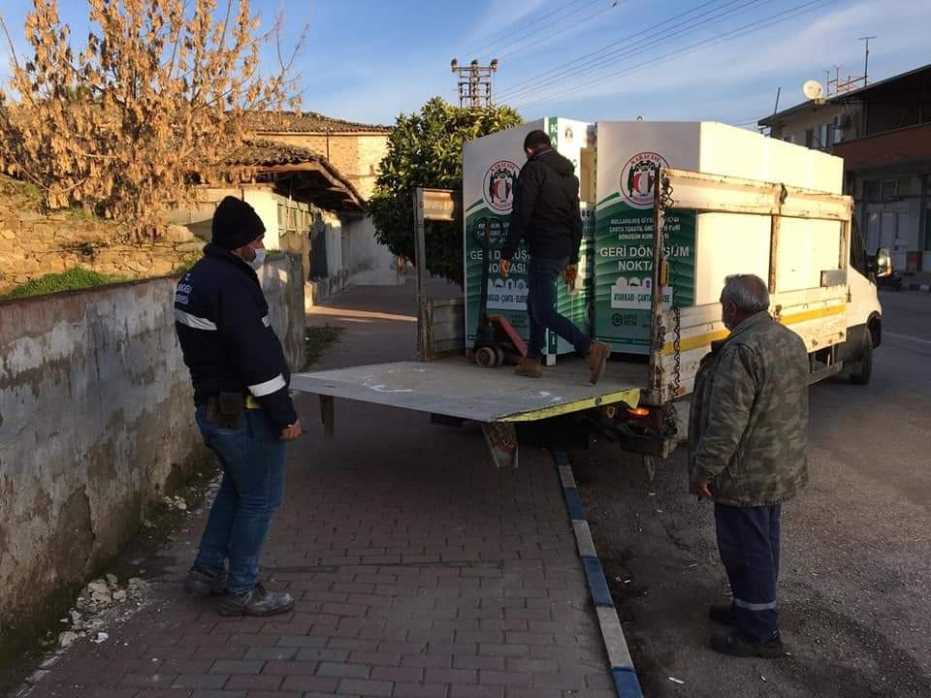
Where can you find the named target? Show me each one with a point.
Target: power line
(749, 28)
(502, 35)
(546, 29)
(607, 52)
(559, 70)
(652, 37)
(549, 37)
(736, 33)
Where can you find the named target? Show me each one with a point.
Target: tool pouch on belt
(225, 410)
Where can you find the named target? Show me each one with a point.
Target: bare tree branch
(9, 42)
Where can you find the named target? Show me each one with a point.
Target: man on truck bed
(748, 433)
(546, 214)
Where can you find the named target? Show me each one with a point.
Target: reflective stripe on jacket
(221, 318)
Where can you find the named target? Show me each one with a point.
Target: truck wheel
(864, 367)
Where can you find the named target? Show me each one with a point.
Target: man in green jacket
(748, 435)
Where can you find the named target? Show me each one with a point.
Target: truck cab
(864, 311)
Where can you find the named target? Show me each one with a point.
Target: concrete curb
(622, 666)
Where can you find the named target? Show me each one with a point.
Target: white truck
(704, 200)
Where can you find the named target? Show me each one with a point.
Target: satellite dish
(812, 89)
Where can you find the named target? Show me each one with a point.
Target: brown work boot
(529, 368)
(597, 361)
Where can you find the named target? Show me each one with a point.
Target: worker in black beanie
(235, 224)
(242, 407)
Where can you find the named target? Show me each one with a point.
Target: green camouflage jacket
(748, 427)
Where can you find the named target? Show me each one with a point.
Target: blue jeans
(748, 540)
(541, 308)
(252, 457)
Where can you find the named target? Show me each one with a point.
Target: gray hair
(747, 292)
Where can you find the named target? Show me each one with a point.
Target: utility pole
(866, 62)
(474, 83)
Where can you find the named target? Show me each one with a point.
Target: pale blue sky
(368, 60)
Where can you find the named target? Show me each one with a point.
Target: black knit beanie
(235, 223)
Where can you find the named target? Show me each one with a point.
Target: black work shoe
(201, 582)
(723, 614)
(736, 645)
(258, 602)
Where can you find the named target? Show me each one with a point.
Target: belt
(249, 402)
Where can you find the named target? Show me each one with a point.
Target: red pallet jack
(496, 341)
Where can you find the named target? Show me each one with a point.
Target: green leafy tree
(425, 149)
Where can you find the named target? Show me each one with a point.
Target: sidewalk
(420, 570)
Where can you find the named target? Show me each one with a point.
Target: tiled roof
(311, 122)
(265, 155)
(261, 152)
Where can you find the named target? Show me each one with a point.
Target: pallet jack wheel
(486, 357)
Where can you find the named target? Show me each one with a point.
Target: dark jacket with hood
(546, 209)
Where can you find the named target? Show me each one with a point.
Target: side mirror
(883, 263)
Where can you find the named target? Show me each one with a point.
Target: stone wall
(33, 244)
(96, 420)
(282, 281)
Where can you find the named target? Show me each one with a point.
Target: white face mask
(259, 259)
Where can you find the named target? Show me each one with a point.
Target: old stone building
(309, 177)
(354, 149)
(303, 200)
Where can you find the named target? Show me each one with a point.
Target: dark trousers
(541, 308)
(252, 457)
(748, 540)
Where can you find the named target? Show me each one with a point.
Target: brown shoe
(597, 361)
(529, 368)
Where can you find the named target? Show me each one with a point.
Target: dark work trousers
(252, 457)
(541, 308)
(748, 540)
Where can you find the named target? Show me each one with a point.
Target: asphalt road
(855, 590)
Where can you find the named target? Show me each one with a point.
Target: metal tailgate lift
(443, 382)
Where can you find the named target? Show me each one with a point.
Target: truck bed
(455, 387)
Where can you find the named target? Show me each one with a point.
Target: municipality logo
(498, 188)
(638, 178)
